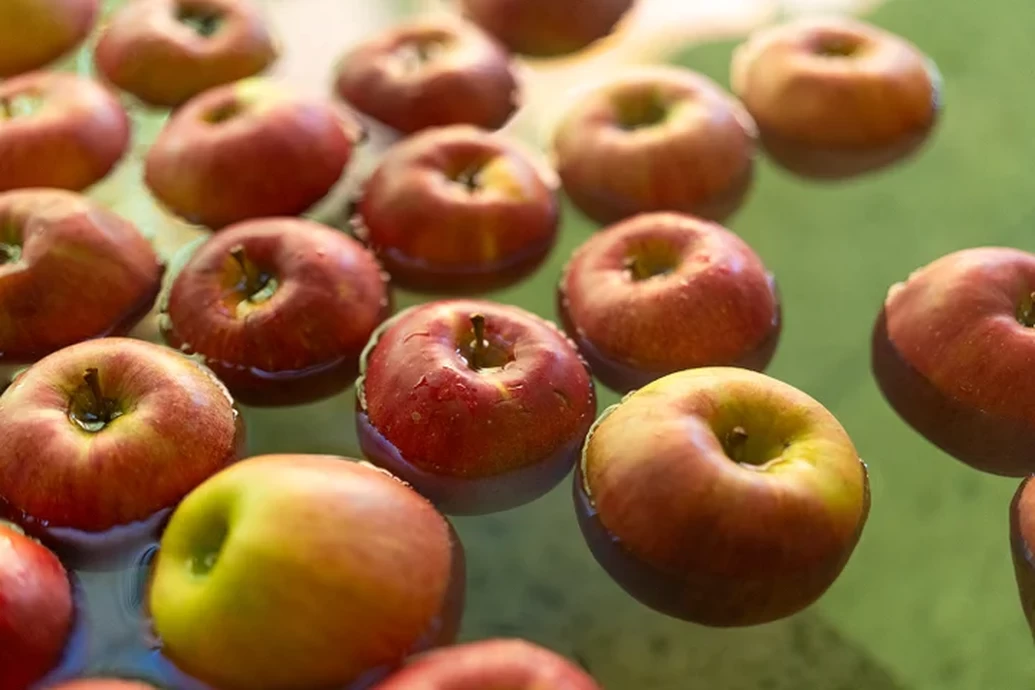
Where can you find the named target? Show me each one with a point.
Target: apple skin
(1022, 546)
(148, 52)
(473, 441)
(434, 233)
(718, 305)
(35, 33)
(347, 569)
(102, 684)
(74, 135)
(268, 151)
(826, 116)
(302, 343)
(36, 610)
(951, 356)
(178, 426)
(690, 532)
(495, 664)
(655, 139)
(547, 28)
(82, 272)
(467, 80)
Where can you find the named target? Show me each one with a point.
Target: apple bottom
(470, 496)
(986, 442)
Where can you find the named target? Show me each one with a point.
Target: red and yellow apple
(721, 496)
(35, 33)
(1022, 546)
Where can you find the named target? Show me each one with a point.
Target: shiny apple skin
(693, 534)
(1022, 543)
(435, 235)
(145, 51)
(278, 154)
(35, 33)
(472, 441)
(717, 307)
(303, 343)
(77, 136)
(469, 81)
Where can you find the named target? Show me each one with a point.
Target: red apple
(663, 292)
(70, 270)
(165, 52)
(547, 28)
(458, 209)
(951, 353)
(297, 572)
(280, 309)
(656, 139)
(35, 610)
(265, 150)
(59, 130)
(34, 33)
(480, 406)
(1022, 546)
(430, 73)
(102, 684)
(836, 97)
(497, 664)
(721, 496)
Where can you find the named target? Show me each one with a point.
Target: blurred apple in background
(1022, 546)
(34, 33)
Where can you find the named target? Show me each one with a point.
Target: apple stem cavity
(644, 268)
(1026, 311)
(647, 110)
(205, 23)
(415, 54)
(479, 346)
(19, 105)
(258, 286)
(470, 179)
(10, 254)
(90, 410)
(735, 444)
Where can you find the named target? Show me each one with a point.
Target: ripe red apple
(836, 97)
(297, 572)
(458, 209)
(59, 130)
(1022, 546)
(663, 292)
(655, 139)
(480, 406)
(70, 270)
(165, 52)
(35, 610)
(430, 73)
(279, 308)
(497, 664)
(951, 352)
(266, 150)
(102, 684)
(110, 432)
(721, 496)
(34, 33)
(547, 28)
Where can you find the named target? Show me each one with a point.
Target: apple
(495, 664)
(655, 139)
(35, 610)
(429, 73)
(458, 210)
(267, 150)
(102, 684)
(1022, 545)
(34, 33)
(721, 496)
(836, 97)
(297, 572)
(70, 270)
(547, 28)
(110, 432)
(59, 130)
(279, 308)
(480, 406)
(951, 352)
(165, 52)
(662, 292)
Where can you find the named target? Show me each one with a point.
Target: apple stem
(470, 179)
(254, 281)
(94, 385)
(736, 443)
(1026, 312)
(478, 349)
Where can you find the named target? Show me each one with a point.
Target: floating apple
(268, 152)
(663, 292)
(430, 73)
(1022, 546)
(721, 496)
(655, 139)
(295, 572)
(458, 209)
(59, 130)
(34, 33)
(836, 97)
(70, 270)
(165, 52)
(280, 309)
(479, 406)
